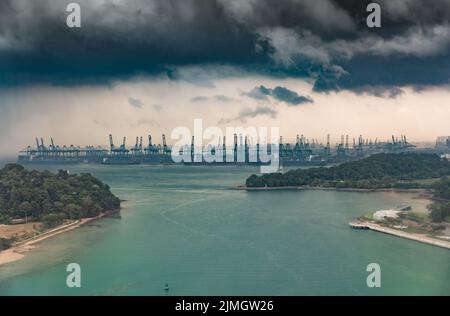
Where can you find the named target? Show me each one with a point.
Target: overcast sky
(137, 66)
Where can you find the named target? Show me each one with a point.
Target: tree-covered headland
(375, 172)
(51, 198)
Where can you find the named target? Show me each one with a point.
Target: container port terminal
(303, 152)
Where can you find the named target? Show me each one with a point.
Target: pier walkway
(395, 232)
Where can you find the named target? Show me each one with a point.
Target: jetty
(358, 225)
(395, 232)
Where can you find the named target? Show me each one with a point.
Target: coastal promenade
(395, 232)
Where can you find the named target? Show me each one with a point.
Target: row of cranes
(54, 151)
(363, 147)
(240, 143)
(303, 149)
(138, 149)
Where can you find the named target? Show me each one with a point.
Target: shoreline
(358, 224)
(245, 188)
(18, 250)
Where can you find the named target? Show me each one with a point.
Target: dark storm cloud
(258, 93)
(247, 113)
(290, 97)
(223, 98)
(381, 92)
(324, 40)
(280, 94)
(219, 98)
(199, 98)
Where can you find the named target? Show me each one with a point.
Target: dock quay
(358, 225)
(395, 232)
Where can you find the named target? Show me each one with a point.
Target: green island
(424, 173)
(33, 203)
(378, 171)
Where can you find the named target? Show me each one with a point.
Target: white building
(384, 214)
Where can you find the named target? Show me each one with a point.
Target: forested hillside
(51, 198)
(377, 171)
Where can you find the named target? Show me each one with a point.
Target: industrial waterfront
(303, 152)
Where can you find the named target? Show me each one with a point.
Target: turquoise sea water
(184, 226)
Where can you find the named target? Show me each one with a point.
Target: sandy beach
(18, 251)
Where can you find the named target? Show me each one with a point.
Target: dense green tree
(5, 243)
(25, 208)
(53, 219)
(439, 211)
(441, 189)
(440, 208)
(73, 211)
